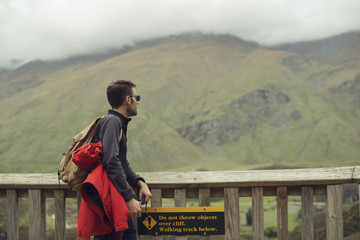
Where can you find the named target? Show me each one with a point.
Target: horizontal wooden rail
(249, 178)
(229, 185)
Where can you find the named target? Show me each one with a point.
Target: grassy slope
(183, 82)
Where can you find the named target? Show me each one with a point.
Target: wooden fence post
(204, 201)
(37, 215)
(156, 201)
(232, 213)
(12, 214)
(60, 217)
(334, 213)
(180, 201)
(257, 213)
(282, 213)
(307, 194)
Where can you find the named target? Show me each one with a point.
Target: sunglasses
(137, 97)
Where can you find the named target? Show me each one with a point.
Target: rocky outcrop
(242, 116)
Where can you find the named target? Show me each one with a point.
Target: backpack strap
(121, 131)
(120, 136)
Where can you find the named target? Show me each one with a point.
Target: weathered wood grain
(12, 214)
(307, 213)
(334, 213)
(217, 192)
(356, 174)
(180, 197)
(282, 213)
(204, 197)
(232, 214)
(258, 213)
(202, 185)
(156, 201)
(37, 217)
(180, 201)
(60, 217)
(204, 200)
(250, 178)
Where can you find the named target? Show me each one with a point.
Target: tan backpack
(68, 171)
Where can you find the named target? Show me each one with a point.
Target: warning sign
(182, 221)
(149, 222)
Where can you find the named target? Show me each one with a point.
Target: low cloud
(49, 29)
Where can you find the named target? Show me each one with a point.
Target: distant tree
(249, 217)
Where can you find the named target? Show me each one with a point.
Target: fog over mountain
(50, 29)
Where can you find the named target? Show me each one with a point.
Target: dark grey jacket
(114, 153)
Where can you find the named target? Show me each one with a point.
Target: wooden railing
(229, 185)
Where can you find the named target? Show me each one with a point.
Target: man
(122, 97)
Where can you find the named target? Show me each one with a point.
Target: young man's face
(132, 108)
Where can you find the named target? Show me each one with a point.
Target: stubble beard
(132, 112)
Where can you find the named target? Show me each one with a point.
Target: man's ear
(128, 99)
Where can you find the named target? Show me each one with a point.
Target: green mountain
(209, 102)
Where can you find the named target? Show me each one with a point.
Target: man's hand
(134, 207)
(144, 191)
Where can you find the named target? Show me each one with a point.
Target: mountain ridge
(209, 102)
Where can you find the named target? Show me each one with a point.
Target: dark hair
(117, 92)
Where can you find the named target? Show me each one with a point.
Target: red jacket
(88, 156)
(102, 207)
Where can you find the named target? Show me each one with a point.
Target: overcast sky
(53, 29)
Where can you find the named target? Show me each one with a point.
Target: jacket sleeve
(109, 134)
(131, 176)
